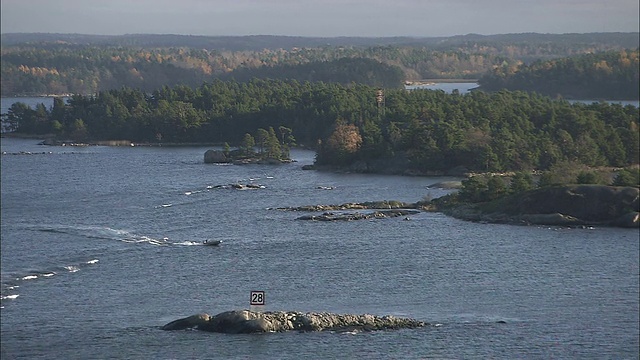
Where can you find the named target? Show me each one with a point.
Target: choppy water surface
(101, 246)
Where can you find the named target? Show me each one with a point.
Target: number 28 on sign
(257, 298)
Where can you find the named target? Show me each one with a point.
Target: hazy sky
(371, 18)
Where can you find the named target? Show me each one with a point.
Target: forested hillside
(342, 71)
(605, 75)
(37, 64)
(422, 129)
(87, 70)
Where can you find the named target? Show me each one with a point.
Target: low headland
(567, 194)
(564, 205)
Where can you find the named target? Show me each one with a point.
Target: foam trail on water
(144, 239)
(72, 268)
(188, 243)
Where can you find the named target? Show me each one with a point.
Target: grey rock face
(188, 322)
(330, 216)
(215, 156)
(247, 322)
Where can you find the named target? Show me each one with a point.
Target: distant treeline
(37, 64)
(557, 44)
(605, 75)
(427, 130)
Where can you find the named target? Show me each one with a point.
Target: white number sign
(257, 298)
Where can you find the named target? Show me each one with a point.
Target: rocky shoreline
(569, 205)
(248, 322)
(629, 220)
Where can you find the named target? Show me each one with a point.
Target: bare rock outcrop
(578, 204)
(247, 322)
(567, 205)
(188, 322)
(331, 216)
(215, 157)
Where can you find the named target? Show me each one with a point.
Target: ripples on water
(102, 246)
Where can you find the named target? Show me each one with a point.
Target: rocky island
(235, 157)
(247, 322)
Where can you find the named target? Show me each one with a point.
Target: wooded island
(424, 130)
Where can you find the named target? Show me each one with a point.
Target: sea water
(101, 246)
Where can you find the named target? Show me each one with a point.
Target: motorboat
(212, 242)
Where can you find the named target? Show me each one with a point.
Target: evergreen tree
(273, 145)
(521, 182)
(495, 188)
(586, 178)
(627, 177)
(262, 138)
(248, 143)
(546, 180)
(473, 189)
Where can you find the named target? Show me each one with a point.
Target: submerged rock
(247, 322)
(237, 186)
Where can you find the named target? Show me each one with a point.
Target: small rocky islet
(249, 322)
(383, 209)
